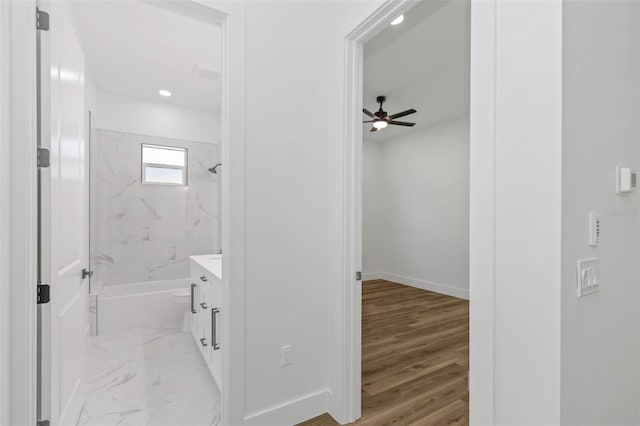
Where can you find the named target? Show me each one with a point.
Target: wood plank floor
(415, 358)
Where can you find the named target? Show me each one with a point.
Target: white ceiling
(135, 49)
(423, 63)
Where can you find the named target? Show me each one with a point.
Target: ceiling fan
(381, 119)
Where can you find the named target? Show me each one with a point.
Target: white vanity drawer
(198, 273)
(207, 327)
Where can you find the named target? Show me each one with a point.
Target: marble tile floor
(149, 376)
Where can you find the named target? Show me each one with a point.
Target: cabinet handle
(203, 305)
(214, 338)
(203, 278)
(193, 288)
(203, 341)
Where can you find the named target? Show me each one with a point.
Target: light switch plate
(588, 278)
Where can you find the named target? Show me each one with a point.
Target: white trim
(292, 412)
(449, 290)
(372, 276)
(482, 212)
(231, 17)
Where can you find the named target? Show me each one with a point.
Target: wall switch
(594, 229)
(286, 355)
(588, 276)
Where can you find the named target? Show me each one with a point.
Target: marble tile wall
(147, 232)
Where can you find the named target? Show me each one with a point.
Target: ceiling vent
(206, 73)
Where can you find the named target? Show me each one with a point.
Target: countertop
(210, 262)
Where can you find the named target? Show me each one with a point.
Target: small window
(164, 165)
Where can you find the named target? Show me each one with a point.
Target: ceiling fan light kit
(381, 119)
(380, 124)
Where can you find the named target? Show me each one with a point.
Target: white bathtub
(125, 307)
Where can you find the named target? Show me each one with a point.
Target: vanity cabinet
(206, 311)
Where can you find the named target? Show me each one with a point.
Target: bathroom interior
(153, 102)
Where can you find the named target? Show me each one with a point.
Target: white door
(64, 219)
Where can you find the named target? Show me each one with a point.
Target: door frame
(18, 198)
(482, 210)
(231, 17)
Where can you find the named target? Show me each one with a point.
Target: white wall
(294, 69)
(291, 283)
(528, 197)
(161, 119)
(373, 203)
(601, 114)
(421, 187)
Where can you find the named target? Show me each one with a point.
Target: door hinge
(43, 158)
(358, 276)
(43, 293)
(42, 20)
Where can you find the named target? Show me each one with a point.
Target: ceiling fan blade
(402, 123)
(402, 114)
(369, 121)
(369, 113)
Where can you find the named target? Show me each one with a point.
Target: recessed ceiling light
(165, 93)
(398, 20)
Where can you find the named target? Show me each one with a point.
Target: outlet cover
(286, 355)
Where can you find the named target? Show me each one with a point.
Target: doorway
(415, 218)
(408, 209)
(481, 177)
(134, 125)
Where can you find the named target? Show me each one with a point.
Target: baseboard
(426, 285)
(367, 276)
(292, 412)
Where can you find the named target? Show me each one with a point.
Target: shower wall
(147, 232)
